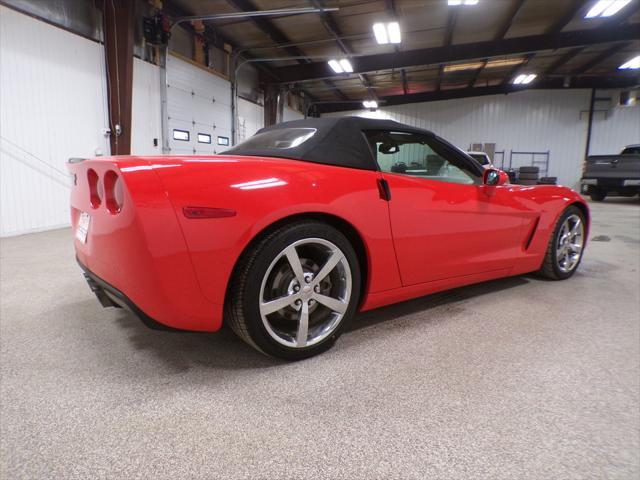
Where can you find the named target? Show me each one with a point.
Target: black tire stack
(528, 175)
(548, 181)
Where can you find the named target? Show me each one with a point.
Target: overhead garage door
(198, 109)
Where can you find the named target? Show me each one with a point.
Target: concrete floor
(516, 378)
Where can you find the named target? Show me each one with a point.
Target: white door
(198, 108)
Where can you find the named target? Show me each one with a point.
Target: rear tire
(310, 270)
(566, 245)
(597, 195)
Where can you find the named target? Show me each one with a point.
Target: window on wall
(419, 156)
(223, 141)
(180, 135)
(204, 138)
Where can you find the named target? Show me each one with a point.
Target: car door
(445, 222)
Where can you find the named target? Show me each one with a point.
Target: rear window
(281, 138)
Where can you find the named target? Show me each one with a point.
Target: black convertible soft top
(336, 141)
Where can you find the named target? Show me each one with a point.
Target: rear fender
(263, 192)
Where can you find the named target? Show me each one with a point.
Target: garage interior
(513, 378)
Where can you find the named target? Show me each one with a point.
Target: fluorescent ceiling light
(462, 2)
(380, 31)
(633, 64)
(394, 32)
(606, 8)
(387, 33)
(341, 66)
(615, 8)
(335, 66)
(524, 79)
(372, 104)
(346, 65)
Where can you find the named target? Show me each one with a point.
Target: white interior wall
(52, 107)
(532, 120)
(614, 128)
(146, 111)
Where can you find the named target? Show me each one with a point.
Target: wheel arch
(585, 211)
(339, 223)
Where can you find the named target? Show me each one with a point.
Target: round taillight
(95, 189)
(114, 193)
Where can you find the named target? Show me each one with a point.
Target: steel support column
(118, 31)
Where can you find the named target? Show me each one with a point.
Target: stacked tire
(548, 181)
(528, 175)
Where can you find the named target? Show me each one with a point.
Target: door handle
(384, 190)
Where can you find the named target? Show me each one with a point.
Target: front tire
(294, 291)
(566, 245)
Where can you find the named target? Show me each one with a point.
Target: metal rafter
(621, 81)
(569, 15)
(462, 52)
(599, 58)
(332, 28)
(502, 31)
(448, 38)
(611, 23)
(562, 60)
(275, 34)
(391, 6)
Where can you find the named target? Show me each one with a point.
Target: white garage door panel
(197, 102)
(187, 77)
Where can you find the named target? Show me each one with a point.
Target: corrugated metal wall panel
(619, 127)
(52, 93)
(146, 112)
(533, 120)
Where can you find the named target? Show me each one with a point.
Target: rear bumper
(110, 296)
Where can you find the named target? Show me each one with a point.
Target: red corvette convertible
(287, 235)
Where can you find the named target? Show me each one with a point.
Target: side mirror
(495, 178)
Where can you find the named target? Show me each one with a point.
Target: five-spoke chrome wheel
(305, 292)
(569, 243)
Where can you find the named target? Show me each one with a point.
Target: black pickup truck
(619, 174)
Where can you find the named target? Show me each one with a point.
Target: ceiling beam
(278, 37)
(511, 16)
(502, 31)
(570, 14)
(563, 60)
(595, 61)
(391, 6)
(448, 38)
(332, 29)
(622, 81)
(462, 52)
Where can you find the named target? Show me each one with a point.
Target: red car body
(175, 266)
